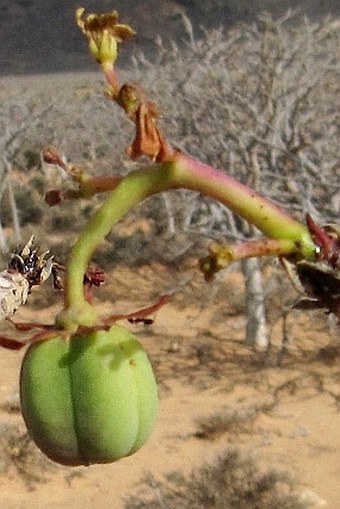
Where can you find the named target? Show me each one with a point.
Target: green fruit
(92, 399)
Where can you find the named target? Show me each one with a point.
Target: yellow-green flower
(103, 33)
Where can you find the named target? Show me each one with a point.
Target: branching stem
(181, 171)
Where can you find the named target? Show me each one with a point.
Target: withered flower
(149, 139)
(103, 33)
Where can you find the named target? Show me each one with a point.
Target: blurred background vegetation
(38, 36)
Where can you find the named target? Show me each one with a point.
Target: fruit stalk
(179, 171)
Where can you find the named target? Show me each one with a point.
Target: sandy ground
(291, 410)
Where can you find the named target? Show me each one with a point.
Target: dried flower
(103, 33)
(149, 139)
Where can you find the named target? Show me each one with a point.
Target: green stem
(180, 172)
(129, 192)
(269, 218)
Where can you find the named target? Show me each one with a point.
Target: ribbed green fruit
(92, 399)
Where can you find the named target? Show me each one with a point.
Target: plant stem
(268, 217)
(128, 193)
(180, 171)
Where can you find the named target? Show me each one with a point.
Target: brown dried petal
(98, 23)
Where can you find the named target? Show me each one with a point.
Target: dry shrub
(232, 481)
(235, 421)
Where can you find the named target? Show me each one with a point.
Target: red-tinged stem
(180, 171)
(221, 256)
(96, 185)
(256, 248)
(259, 211)
(110, 74)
